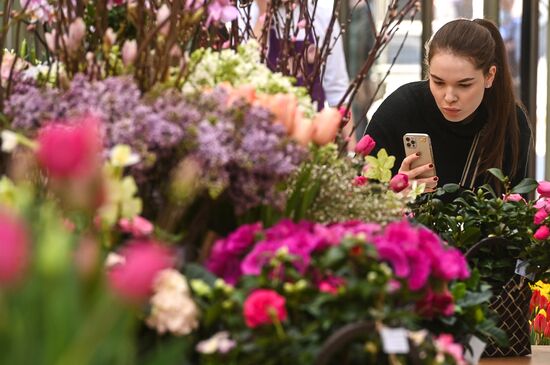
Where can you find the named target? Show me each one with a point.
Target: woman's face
(457, 86)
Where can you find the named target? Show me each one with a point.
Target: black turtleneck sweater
(412, 109)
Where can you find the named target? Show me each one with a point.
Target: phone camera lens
(408, 144)
(407, 139)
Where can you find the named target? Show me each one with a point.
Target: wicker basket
(512, 306)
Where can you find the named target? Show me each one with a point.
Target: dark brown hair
(480, 41)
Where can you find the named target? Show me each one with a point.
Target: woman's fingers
(421, 170)
(431, 183)
(406, 164)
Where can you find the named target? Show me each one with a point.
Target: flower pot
(511, 303)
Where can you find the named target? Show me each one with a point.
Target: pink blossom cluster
(543, 208)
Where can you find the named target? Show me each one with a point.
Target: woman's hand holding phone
(415, 174)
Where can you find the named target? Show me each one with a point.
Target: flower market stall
(168, 196)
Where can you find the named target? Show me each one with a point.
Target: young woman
(467, 107)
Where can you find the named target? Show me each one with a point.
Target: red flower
(365, 145)
(434, 303)
(143, 260)
(359, 181)
(539, 323)
(70, 150)
(14, 247)
(534, 300)
(263, 306)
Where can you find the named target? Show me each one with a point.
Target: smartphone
(419, 142)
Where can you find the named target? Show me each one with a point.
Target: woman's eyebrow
(466, 79)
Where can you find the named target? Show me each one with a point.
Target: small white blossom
(121, 155)
(220, 342)
(9, 141)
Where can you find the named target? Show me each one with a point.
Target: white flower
(220, 342)
(121, 155)
(172, 309)
(9, 140)
(114, 259)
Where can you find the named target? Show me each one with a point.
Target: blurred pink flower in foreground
(445, 343)
(365, 145)
(544, 189)
(13, 248)
(221, 11)
(263, 306)
(143, 260)
(70, 150)
(399, 182)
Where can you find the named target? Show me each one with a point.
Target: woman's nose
(450, 96)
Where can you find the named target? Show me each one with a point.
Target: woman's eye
(438, 82)
(465, 85)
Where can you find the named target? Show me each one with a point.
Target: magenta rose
(365, 145)
(399, 182)
(540, 216)
(14, 247)
(263, 306)
(133, 279)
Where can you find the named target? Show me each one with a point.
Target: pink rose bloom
(14, 247)
(70, 150)
(544, 189)
(262, 307)
(365, 145)
(137, 226)
(512, 198)
(542, 233)
(399, 182)
(143, 260)
(331, 285)
(445, 343)
(540, 216)
(359, 181)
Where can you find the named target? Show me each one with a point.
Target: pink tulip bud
(133, 279)
(399, 182)
(326, 122)
(512, 198)
(51, 40)
(365, 145)
(542, 233)
(359, 180)
(77, 31)
(79, 155)
(544, 189)
(540, 216)
(109, 37)
(162, 15)
(129, 52)
(14, 246)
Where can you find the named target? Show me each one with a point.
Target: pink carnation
(143, 260)
(14, 246)
(365, 145)
(70, 151)
(263, 306)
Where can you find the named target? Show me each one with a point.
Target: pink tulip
(77, 32)
(540, 216)
(327, 123)
(137, 226)
(399, 182)
(143, 260)
(542, 233)
(544, 189)
(284, 107)
(14, 246)
(70, 150)
(365, 145)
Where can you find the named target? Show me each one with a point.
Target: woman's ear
(490, 77)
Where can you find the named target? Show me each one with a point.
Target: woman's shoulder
(409, 94)
(523, 121)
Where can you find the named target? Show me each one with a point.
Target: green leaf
(471, 299)
(451, 188)
(497, 173)
(525, 186)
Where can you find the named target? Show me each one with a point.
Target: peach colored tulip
(326, 122)
(246, 92)
(303, 130)
(285, 107)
